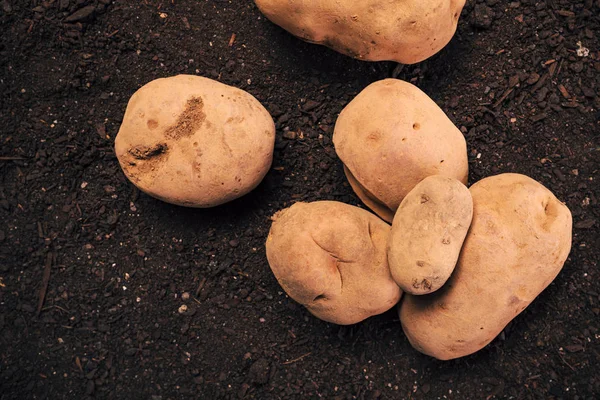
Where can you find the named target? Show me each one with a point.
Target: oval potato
(519, 239)
(195, 142)
(428, 231)
(392, 136)
(407, 31)
(330, 257)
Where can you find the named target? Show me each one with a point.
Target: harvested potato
(406, 31)
(392, 136)
(195, 142)
(519, 239)
(428, 231)
(330, 257)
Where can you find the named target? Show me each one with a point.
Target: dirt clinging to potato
(189, 121)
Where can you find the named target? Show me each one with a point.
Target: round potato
(195, 142)
(428, 231)
(330, 257)
(392, 136)
(519, 239)
(406, 31)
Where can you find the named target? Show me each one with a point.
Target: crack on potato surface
(338, 261)
(142, 152)
(189, 121)
(320, 297)
(370, 230)
(424, 198)
(330, 252)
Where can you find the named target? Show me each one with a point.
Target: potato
(392, 136)
(519, 239)
(195, 142)
(406, 31)
(330, 257)
(427, 234)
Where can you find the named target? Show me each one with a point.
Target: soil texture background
(521, 80)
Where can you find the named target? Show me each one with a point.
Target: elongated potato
(330, 257)
(428, 232)
(519, 239)
(195, 142)
(392, 136)
(407, 31)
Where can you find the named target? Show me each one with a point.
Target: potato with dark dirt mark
(407, 31)
(195, 142)
(330, 257)
(392, 136)
(427, 234)
(519, 239)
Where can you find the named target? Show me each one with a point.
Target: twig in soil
(11, 158)
(565, 361)
(78, 363)
(55, 306)
(297, 359)
(232, 39)
(503, 97)
(200, 286)
(45, 280)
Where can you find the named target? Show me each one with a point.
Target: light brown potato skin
(195, 142)
(428, 232)
(519, 239)
(330, 257)
(392, 136)
(407, 31)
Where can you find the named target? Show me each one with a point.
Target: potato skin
(428, 231)
(330, 257)
(392, 136)
(195, 142)
(519, 239)
(407, 31)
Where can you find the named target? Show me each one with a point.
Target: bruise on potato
(519, 239)
(427, 234)
(330, 257)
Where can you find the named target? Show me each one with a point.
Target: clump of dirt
(147, 152)
(189, 121)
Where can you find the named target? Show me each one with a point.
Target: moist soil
(114, 267)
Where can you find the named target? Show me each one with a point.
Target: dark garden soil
(119, 264)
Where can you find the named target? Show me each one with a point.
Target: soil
(115, 267)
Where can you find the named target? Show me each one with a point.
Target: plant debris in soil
(108, 293)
